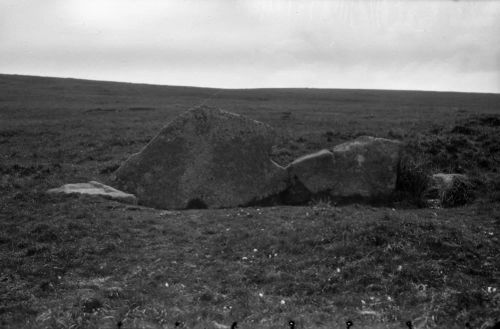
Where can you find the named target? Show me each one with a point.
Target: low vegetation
(469, 146)
(80, 262)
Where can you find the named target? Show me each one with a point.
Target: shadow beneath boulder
(298, 195)
(196, 204)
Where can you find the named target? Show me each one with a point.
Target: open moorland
(84, 262)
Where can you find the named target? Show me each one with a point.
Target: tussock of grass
(413, 179)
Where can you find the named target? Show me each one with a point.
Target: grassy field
(81, 262)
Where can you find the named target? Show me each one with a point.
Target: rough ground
(82, 262)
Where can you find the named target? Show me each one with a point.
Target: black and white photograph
(250, 164)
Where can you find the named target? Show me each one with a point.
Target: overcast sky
(379, 44)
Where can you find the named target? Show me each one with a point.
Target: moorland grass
(259, 266)
(80, 262)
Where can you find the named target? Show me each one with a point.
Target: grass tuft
(413, 179)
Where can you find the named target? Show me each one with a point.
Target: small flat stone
(96, 189)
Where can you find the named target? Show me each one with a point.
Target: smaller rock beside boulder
(365, 168)
(315, 171)
(450, 190)
(442, 181)
(97, 189)
(310, 176)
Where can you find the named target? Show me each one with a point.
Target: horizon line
(248, 88)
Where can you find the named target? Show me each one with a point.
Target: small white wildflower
(338, 269)
(389, 298)
(255, 250)
(261, 294)
(400, 268)
(363, 302)
(276, 255)
(282, 302)
(166, 284)
(227, 229)
(491, 290)
(244, 258)
(372, 298)
(490, 233)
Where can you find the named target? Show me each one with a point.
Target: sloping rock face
(315, 171)
(310, 176)
(96, 189)
(204, 158)
(365, 168)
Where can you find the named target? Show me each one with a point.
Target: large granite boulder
(205, 157)
(365, 168)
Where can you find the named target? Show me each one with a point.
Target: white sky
(379, 44)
